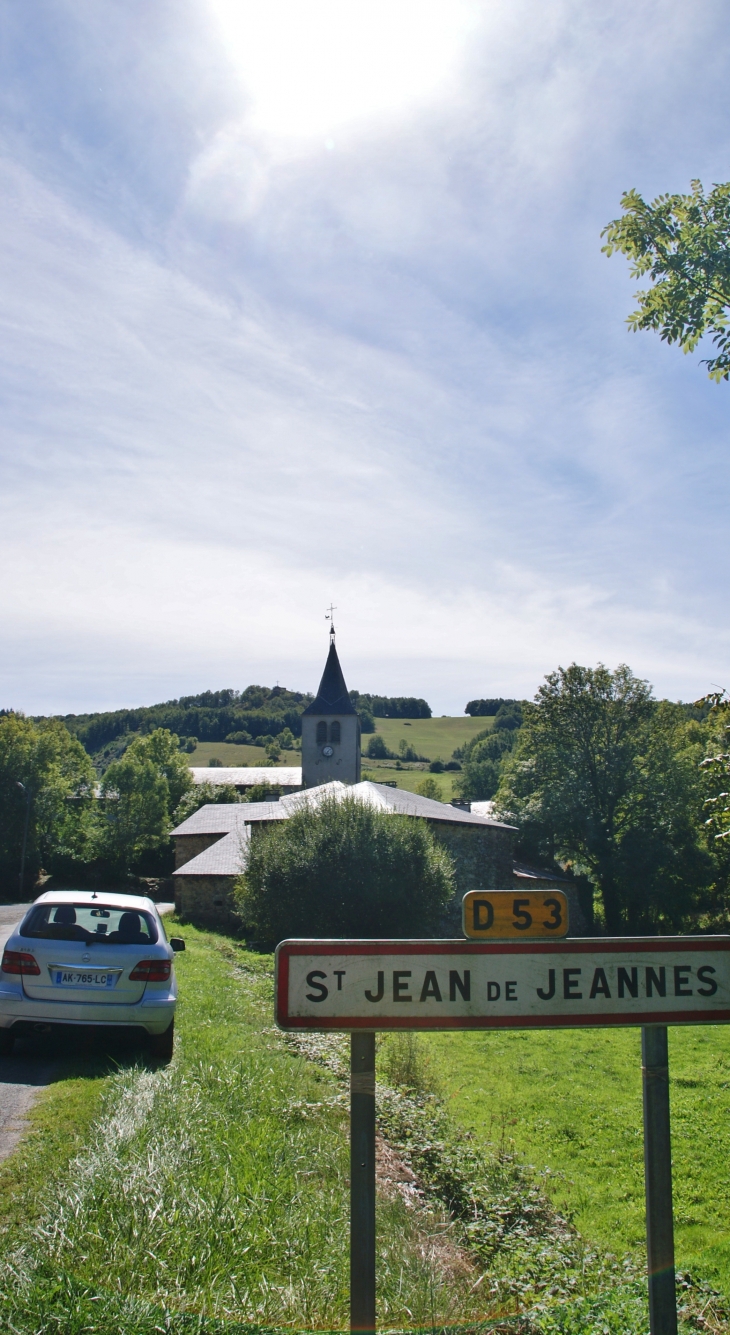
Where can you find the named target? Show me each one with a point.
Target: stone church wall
(188, 846)
(207, 901)
(483, 861)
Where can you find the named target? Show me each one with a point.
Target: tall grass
(219, 1187)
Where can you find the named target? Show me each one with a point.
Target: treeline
(228, 715)
(210, 716)
(486, 708)
(370, 707)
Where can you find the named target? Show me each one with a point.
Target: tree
(203, 795)
(58, 775)
(344, 869)
(607, 779)
(482, 765)
(683, 242)
(139, 792)
(429, 787)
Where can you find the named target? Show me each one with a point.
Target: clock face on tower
(328, 751)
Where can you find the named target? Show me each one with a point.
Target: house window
(321, 733)
(335, 732)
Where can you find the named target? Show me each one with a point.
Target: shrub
(377, 750)
(344, 869)
(262, 792)
(429, 788)
(201, 796)
(239, 738)
(436, 767)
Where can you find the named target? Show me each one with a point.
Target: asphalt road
(33, 1063)
(24, 1072)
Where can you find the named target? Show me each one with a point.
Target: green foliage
(262, 792)
(428, 787)
(343, 869)
(436, 766)
(377, 750)
(485, 708)
(683, 243)
(239, 738)
(202, 795)
(483, 757)
(607, 780)
(139, 793)
(211, 716)
(385, 706)
(58, 774)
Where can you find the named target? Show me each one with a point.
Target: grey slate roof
(332, 697)
(222, 817)
(245, 776)
(227, 857)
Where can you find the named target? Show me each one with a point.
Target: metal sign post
(658, 1176)
(363, 986)
(362, 1182)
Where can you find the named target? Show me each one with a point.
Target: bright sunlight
(313, 66)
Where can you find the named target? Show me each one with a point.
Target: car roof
(98, 898)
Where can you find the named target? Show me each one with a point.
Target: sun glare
(310, 67)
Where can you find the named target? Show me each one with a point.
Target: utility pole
(27, 794)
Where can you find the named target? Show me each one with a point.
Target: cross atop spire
(330, 616)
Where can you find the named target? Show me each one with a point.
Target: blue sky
(306, 302)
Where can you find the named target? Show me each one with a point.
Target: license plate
(79, 978)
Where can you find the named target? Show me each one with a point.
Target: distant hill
(227, 715)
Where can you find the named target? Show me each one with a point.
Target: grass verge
(569, 1102)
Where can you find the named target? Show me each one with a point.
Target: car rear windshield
(92, 924)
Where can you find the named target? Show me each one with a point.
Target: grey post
(658, 1176)
(362, 1181)
(26, 795)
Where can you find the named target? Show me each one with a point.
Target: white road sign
(493, 985)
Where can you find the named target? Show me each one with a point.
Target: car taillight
(18, 961)
(150, 971)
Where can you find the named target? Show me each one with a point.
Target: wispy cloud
(246, 370)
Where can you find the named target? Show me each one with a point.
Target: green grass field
(435, 738)
(237, 755)
(570, 1101)
(408, 779)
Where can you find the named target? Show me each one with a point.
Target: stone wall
(207, 901)
(187, 846)
(483, 861)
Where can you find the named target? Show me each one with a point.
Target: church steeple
(332, 697)
(331, 727)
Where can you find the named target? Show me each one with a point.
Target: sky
(304, 303)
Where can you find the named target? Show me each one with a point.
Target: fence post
(658, 1176)
(362, 1182)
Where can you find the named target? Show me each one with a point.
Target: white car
(89, 958)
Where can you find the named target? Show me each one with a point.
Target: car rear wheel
(160, 1045)
(7, 1040)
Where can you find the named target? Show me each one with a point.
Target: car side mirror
(177, 943)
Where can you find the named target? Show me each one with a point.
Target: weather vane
(330, 616)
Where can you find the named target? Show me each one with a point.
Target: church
(211, 845)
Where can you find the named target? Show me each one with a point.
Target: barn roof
(245, 776)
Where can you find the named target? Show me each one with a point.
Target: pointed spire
(332, 697)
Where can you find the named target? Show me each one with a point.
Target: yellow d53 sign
(499, 915)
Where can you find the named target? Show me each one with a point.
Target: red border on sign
(611, 945)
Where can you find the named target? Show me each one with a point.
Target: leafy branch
(683, 243)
